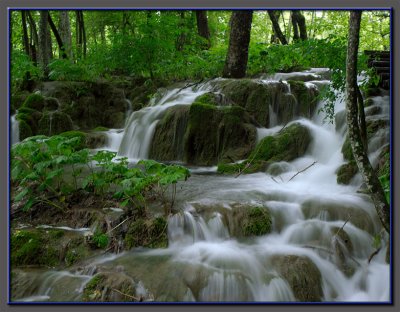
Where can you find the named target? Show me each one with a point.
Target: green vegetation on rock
(258, 222)
(150, 232)
(34, 101)
(346, 172)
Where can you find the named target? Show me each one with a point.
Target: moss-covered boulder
(28, 122)
(24, 130)
(96, 139)
(346, 172)
(18, 99)
(51, 104)
(168, 140)
(53, 123)
(307, 98)
(216, 134)
(302, 275)
(291, 143)
(111, 287)
(343, 249)
(212, 98)
(149, 232)
(259, 98)
(76, 134)
(34, 101)
(47, 247)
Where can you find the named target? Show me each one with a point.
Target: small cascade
(50, 122)
(14, 130)
(114, 138)
(141, 124)
(128, 111)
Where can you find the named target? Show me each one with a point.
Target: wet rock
(227, 136)
(112, 287)
(53, 123)
(301, 274)
(333, 211)
(34, 101)
(290, 144)
(307, 98)
(346, 172)
(343, 249)
(150, 232)
(96, 139)
(169, 136)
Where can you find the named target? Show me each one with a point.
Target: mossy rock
(169, 136)
(51, 104)
(17, 100)
(307, 98)
(290, 144)
(54, 123)
(343, 249)
(369, 102)
(374, 125)
(258, 222)
(302, 275)
(35, 101)
(96, 139)
(346, 172)
(347, 151)
(226, 136)
(100, 128)
(31, 117)
(24, 130)
(32, 247)
(150, 232)
(245, 167)
(211, 98)
(372, 91)
(76, 134)
(110, 287)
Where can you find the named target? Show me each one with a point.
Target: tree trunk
(277, 29)
(44, 48)
(180, 41)
(65, 33)
(57, 36)
(239, 39)
(202, 27)
(370, 179)
(80, 34)
(299, 21)
(34, 36)
(25, 38)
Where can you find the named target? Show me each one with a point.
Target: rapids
(204, 262)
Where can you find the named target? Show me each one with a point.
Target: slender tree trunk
(296, 36)
(80, 35)
(25, 38)
(83, 29)
(299, 20)
(65, 33)
(370, 179)
(58, 37)
(34, 36)
(239, 39)
(202, 27)
(180, 41)
(44, 48)
(277, 29)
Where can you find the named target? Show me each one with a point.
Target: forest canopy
(82, 45)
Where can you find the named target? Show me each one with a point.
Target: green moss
(372, 92)
(368, 102)
(35, 101)
(51, 104)
(291, 143)
(258, 222)
(89, 292)
(209, 98)
(100, 128)
(346, 172)
(100, 240)
(24, 130)
(25, 111)
(148, 233)
(55, 234)
(306, 98)
(347, 150)
(26, 248)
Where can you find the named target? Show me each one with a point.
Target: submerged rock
(302, 275)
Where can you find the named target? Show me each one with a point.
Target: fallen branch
(302, 170)
(119, 224)
(330, 252)
(274, 180)
(373, 254)
(348, 219)
(129, 296)
(190, 85)
(284, 126)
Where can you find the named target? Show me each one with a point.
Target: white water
(14, 130)
(141, 124)
(206, 262)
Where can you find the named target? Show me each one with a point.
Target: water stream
(206, 262)
(14, 130)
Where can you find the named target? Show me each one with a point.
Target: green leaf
(21, 195)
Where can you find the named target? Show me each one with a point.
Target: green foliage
(20, 65)
(384, 177)
(100, 239)
(33, 102)
(258, 222)
(43, 168)
(65, 70)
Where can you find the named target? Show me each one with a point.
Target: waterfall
(140, 127)
(14, 130)
(321, 237)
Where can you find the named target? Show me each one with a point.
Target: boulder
(287, 145)
(302, 275)
(217, 134)
(53, 123)
(346, 172)
(307, 98)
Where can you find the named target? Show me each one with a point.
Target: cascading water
(14, 130)
(322, 232)
(141, 124)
